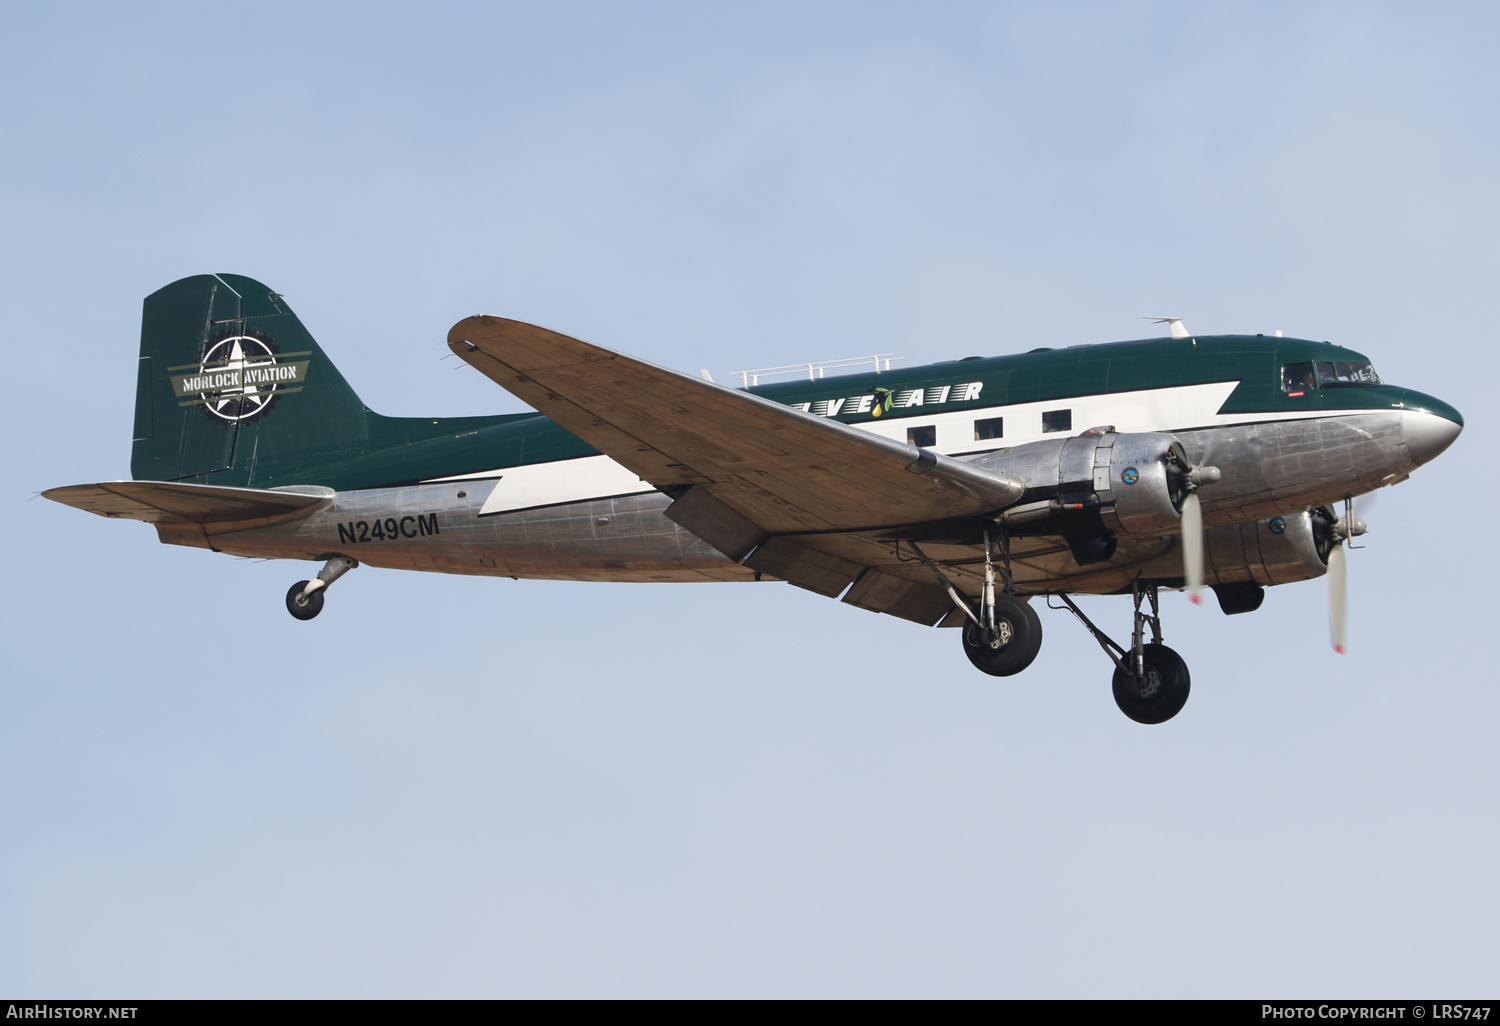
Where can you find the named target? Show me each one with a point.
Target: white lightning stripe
(563, 481)
(1155, 409)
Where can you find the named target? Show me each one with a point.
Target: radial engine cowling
(1134, 481)
(1280, 550)
(1145, 484)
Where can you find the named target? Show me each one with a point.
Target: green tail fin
(232, 390)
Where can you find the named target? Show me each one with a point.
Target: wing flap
(172, 502)
(783, 470)
(805, 566)
(715, 523)
(881, 592)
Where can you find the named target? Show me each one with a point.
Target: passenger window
(922, 437)
(1297, 378)
(1057, 420)
(994, 427)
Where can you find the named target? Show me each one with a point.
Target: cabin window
(1057, 420)
(1297, 378)
(991, 427)
(924, 437)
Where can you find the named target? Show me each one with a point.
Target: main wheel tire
(304, 609)
(1020, 640)
(1160, 693)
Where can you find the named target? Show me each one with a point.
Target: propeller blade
(1338, 596)
(1192, 546)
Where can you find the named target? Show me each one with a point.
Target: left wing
(780, 468)
(746, 472)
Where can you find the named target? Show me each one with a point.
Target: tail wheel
(1161, 690)
(1016, 642)
(304, 608)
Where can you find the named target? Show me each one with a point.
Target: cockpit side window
(1297, 378)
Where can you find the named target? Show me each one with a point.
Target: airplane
(952, 495)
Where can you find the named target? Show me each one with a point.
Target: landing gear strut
(1005, 635)
(1151, 682)
(305, 599)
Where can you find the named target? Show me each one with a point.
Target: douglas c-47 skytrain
(952, 495)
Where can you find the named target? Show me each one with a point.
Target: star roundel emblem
(239, 377)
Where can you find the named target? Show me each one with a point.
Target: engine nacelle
(1134, 482)
(1276, 551)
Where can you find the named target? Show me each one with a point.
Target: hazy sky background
(460, 787)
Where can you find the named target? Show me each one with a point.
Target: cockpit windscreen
(1298, 378)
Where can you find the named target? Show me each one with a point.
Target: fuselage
(1290, 422)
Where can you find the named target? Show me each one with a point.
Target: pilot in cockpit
(1298, 378)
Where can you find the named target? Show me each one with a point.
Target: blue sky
(464, 787)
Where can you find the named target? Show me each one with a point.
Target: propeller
(1338, 596)
(1192, 529)
(1343, 530)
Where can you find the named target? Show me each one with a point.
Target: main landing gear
(1005, 635)
(305, 599)
(1151, 682)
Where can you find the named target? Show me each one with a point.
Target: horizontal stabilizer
(170, 502)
